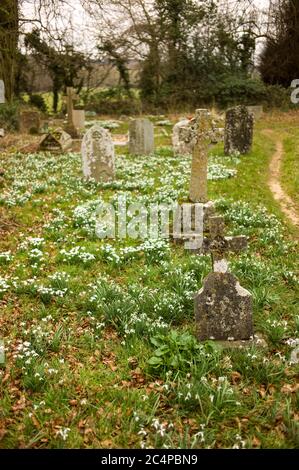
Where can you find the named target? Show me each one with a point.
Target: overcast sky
(83, 31)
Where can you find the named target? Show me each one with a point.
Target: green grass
(81, 365)
(290, 167)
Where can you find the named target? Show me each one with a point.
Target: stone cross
(218, 245)
(71, 96)
(2, 92)
(199, 169)
(223, 309)
(238, 135)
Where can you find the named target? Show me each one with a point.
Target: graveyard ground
(100, 335)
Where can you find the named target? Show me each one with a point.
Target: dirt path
(286, 203)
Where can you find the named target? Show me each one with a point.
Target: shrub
(9, 116)
(111, 101)
(39, 102)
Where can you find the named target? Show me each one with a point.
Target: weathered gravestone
(257, 111)
(185, 133)
(98, 158)
(198, 194)
(182, 138)
(142, 141)
(79, 119)
(30, 122)
(2, 92)
(56, 142)
(223, 309)
(199, 169)
(238, 135)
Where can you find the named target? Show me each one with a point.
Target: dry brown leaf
(20, 405)
(35, 422)
(262, 392)
(256, 442)
(288, 388)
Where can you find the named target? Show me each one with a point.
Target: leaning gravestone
(223, 309)
(56, 142)
(98, 158)
(29, 122)
(238, 131)
(141, 137)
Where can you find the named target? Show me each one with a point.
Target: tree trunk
(9, 34)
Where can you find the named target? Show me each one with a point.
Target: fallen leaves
(256, 442)
(236, 378)
(288, 389)
(20, 405)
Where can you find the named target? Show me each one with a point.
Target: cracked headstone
(238, 135)
(223, 309)
(142, 141)
(98, 156)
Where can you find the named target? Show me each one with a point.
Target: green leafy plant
(177, 352)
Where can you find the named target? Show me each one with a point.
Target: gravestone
(182, 138)
(2, 92)
(142, 141)
(199, 182)
(199, 169)
(79, 119)
(185, 133)
(30, 122)
(223, 309)
(257, 111)
(98, 157)
(56, 142)
(238, 136)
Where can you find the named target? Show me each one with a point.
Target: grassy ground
(100, 347)
(285, 128)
